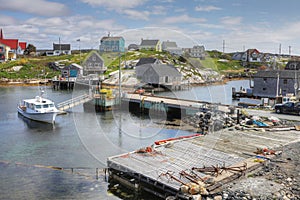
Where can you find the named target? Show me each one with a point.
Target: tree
(29, 49)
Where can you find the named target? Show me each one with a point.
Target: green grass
(216, 65)
(37, 67)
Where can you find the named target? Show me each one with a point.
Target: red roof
(22, 45)
(13, 43)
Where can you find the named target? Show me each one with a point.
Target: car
(288, 108)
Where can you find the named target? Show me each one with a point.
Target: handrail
(73, 101)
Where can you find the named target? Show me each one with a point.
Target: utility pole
(279, 49)
(290, 51)
(59, 45)
(120, 78)
(223, 46)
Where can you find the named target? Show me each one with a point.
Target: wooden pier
(172, 107)
(63, 83)
(159, 169)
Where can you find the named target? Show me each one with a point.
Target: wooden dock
(173, 107)
(158, 170)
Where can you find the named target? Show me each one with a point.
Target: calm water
(77, 140)
(212, 93)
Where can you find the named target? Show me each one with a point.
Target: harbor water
(33, 154)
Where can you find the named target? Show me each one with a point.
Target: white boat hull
(48, 117)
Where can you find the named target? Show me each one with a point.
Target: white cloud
(115, 4)
(158, 10)
(133, 14)
(182, 19)
(207, 8)
(69, 29)
(265, 39)
(7, 20)
(37, 7)
(231, 21)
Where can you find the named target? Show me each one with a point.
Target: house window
(94, 58)
(166, 79)
(285, 81)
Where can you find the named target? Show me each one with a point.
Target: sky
(229, 25)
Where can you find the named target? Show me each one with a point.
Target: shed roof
(290, 74)
(149, 42)
(22, 45)
(62, 47)
(164, 70)
(148, 60)
(12, 43)
(108, 38)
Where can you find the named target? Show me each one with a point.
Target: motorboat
(38, 109)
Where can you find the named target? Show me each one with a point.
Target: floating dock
(162, 169)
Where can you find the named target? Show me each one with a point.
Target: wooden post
(97, 175)
(238, 117)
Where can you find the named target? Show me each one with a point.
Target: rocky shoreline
(24, 82)
(35, 82)
(275, 180)
(278, 178)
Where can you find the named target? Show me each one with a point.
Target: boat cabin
(38, 105)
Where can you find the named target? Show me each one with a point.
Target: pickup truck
(288, 107)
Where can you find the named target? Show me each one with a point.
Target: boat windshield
(51, 105)
(45, 106)
(38, 106)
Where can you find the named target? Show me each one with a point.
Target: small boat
(38, 109)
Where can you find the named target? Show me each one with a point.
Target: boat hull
(48, 117)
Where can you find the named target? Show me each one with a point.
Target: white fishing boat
(38, 109)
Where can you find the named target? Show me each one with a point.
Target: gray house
(159, 74)
(196, 52)
(265, 83)
(93, 64)
(59, 49)
(171, 47)
(73, 70)
(154, 45)
(292, 65)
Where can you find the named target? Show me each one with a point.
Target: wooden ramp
(73, 102)
(158, 170)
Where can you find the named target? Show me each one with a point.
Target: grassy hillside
(37, 67)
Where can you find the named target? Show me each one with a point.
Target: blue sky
(243, 24)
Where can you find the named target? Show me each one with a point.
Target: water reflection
(32, 124)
